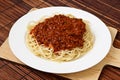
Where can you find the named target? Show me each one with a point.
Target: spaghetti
(60, 54)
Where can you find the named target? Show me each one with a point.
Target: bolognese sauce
(60, 32)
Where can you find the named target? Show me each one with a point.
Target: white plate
(100, 49)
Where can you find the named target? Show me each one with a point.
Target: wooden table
(11, 10)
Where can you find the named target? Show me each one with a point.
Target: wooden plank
(3, 37)
(4, 75)
(4, 5)
(1, 64)
(9, 2)
(111, 2)
(117, 5)
(10, 71)
(13, 13)
(33, 3)
(116, 43)
(114, 14)
(16, 1)
(36, 77)
(106, 9)
(23, 5)
(25, 70)
(18, 70)
(23, 10)
(67, 2)
(32, 75)
(113, 7)
(43, 4)
(27, 77)
(9, 25)
(108, 72)
(118, 35)
(55, 3)
(101, 10)
(96, 5)
(4, 19)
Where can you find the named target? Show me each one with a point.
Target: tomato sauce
(60, 32)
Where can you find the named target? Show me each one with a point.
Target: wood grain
(11, 10)
(13, 71)
(108, 72)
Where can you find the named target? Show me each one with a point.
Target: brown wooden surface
(108, 72)
(13, 71)
(11, 10)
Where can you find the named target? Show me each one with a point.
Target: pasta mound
(63, 55)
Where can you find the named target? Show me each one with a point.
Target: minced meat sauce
(60, 33)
